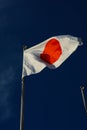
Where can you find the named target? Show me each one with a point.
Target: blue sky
(52, 98)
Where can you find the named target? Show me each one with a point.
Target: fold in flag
(51, 53)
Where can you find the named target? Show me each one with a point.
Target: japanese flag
(51, 53)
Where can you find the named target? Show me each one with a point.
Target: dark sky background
(52, 98)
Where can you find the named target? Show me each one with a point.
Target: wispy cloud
(6, 79)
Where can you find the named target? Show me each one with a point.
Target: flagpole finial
(24, 47)
(82, 87)
(80, 41)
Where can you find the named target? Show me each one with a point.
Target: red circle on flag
(52, 51)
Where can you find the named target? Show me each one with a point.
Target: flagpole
(22, 100)
(22, 106)
(83, 98)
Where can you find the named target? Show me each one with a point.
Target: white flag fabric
(51, 53)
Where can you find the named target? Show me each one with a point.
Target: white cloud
(6, 79)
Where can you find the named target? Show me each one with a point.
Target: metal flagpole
(22, 100)
(83, 98)
(22, 107)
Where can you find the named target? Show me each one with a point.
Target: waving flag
(51, 53)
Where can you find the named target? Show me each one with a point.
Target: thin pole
(22, 100)
(22, 107)
(83, 98)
